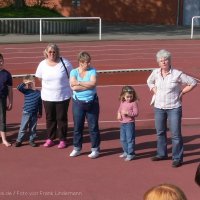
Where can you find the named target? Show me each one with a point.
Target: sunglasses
(52, 52)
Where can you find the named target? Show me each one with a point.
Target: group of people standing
(61, 83)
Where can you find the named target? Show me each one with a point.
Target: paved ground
(54, 175)
(121, 31)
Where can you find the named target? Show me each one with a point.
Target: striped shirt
(32, 99)
(168, 87)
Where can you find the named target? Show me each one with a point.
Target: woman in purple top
(127, 112)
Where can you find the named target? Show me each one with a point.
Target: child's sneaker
(129, 157)
(75, 153)
(62, 145)
(48, 143)
(124, 155)
(94, 154)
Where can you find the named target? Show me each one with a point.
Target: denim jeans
(127, 138)
(92, 116)
(174, 117)
(29, 120)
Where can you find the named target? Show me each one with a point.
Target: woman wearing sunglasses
(54, 71)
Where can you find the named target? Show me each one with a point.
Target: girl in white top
(54, 71)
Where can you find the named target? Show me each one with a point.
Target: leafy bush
(27, 12)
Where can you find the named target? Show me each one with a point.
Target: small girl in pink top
(127, 112)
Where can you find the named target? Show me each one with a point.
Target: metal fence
(41, 26)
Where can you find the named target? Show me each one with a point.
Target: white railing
(57, 18)
(104, 71)
(192, 25)
(115, 71)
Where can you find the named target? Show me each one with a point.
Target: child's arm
(134, 111)
(119, 116)
(21, 87)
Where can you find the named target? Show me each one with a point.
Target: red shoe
(62, 145)
(48, 143)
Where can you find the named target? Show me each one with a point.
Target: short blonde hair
(28, 78)
(54, 47)
(84, 56)
(165, 192)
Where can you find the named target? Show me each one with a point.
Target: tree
(19, 3)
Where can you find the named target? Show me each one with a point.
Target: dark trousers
(56, 119)
(81, 112)
(3, 114)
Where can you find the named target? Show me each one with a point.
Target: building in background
(164, 12)
(191, 8)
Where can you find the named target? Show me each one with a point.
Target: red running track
(38, 173)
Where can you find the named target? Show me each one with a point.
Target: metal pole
(99, 28)
(40, 30)
(192, 28)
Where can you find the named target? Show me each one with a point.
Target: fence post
(40, 29)
(99, 28)
(192, 27)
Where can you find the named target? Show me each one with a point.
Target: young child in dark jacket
(32, 110)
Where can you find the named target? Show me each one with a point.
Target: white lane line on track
(139, 120)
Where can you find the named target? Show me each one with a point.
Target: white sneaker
(94, 154)
(75, 153)
(124, 155)
(129, 157)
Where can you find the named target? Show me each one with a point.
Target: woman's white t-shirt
(55, 83)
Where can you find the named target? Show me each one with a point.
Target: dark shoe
(18, 144)
(33, 144)
(156, 158)
(176, 163)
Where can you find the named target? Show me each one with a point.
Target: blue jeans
(92, 116)
(174, 117)
(29, 120)
(127, 138)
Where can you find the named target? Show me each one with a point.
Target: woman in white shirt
(169, 85)
(54, 72)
